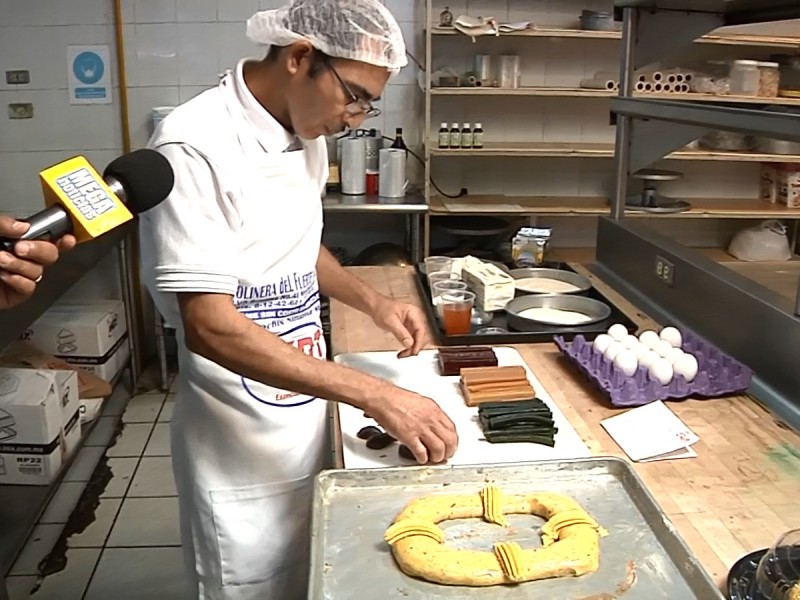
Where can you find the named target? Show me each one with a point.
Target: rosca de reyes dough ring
(570, 539)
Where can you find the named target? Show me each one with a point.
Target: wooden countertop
(738, 495)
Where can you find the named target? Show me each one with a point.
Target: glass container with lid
(745, 78)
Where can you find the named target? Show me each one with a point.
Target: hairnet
(361, 30)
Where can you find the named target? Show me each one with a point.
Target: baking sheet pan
(353, 508)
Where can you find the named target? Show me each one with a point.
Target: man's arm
(405, 321)
(340, 284)
(215, 330)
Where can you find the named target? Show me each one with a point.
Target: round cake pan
(579, 281)
(594, 309)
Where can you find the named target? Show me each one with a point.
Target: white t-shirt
(192, 242)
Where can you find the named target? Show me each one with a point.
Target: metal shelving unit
(648, 129)
(21, 505)
(675, 27)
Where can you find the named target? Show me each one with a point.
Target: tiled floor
(129, 546)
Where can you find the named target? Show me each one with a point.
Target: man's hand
(21, 271)
(415, 421)
(406, 321)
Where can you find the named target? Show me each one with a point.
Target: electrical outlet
(18, 77)
(665, 270)
(20, 110)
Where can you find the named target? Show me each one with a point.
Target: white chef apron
(245, 454)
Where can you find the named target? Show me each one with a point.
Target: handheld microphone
(82, 203)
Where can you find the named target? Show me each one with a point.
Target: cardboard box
(25, 355)
(92, 336)
(105, 367)
(79, 331)
(39, 424)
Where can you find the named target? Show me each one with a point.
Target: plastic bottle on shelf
(455, 136)
(466, 136)
(444, 136)
(477, 136)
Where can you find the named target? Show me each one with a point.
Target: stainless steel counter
(413, 206)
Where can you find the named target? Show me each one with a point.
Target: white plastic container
(745, 78)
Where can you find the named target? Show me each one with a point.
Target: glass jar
(769, 79)
(745, 78)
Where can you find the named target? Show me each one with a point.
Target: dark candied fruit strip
(454, 363)
(465, 349)
(405, 452)
(367, 432)
(501, 437)
(379, 442)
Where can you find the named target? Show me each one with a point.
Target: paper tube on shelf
(597, 84)
(392, 180)
(354, 166)
(640, 86)
(680, 77)
(648, 87)
(657, 87)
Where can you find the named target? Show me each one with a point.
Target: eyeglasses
(355, 105)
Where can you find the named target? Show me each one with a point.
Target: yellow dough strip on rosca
(570, 537)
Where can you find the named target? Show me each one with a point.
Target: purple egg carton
(718, 374)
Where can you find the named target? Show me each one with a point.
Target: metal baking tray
(353, 508)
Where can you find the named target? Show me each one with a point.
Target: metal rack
(21, 506)
(649, 129)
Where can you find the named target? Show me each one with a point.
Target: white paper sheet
(651, 432)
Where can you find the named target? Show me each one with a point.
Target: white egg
(687, 367)
(673, 336)
(631, 342)
(613, 349)
(648, 359)
(663, 348)
(602, 342)
(618, 332)
(640, 351)
(649, 338)
(674, 355)
(661, 371)
(626, 362)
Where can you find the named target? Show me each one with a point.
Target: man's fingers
(436, 447)
(449, 435)
(15, 266)
(399, 331)
(417, 326)
(18, 283)
(10, 227)
(419, 450)
(67, 242)
(44, 253)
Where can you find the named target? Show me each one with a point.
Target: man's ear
(298, 57)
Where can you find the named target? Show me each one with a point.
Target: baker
(234, 261)
(22, 270)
